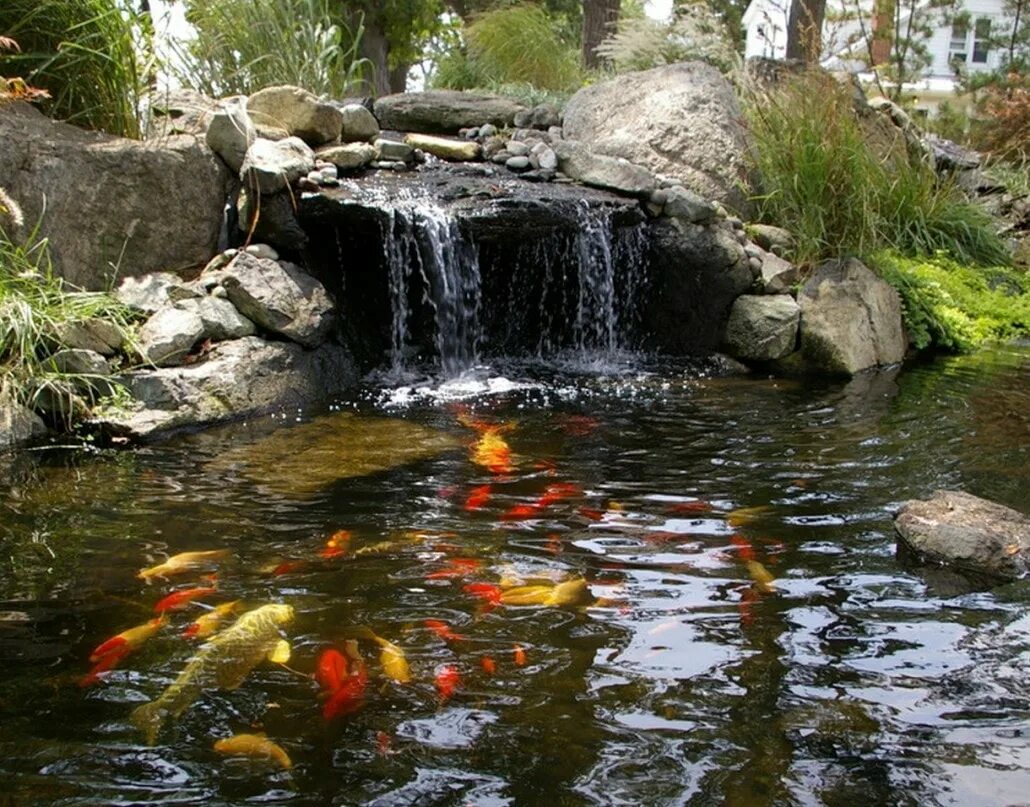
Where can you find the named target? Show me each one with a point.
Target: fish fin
(280, 654)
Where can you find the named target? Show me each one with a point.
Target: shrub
(1004, 130)
(89, 55)
(955, 307)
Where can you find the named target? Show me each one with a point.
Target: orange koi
(456, 567)
(520, 512)
(349, 696)
(107, 655)
(184, 562)
(288, 566)
(447, 680)
(689, 507)
(488, 664)
(478, 497)
(491, 451)
(383, 743)
(254, 745)
(557, 492)
(178, 600)
(745, 551)
(591, 513)
(105, 663)
(337, 544)
(443, 630)
(519, 655)
(331, 670)
(487, 592)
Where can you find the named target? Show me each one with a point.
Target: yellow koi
(764, 581)
(570, 592)
(206, 624)
(254, 745)
(184, 562)
(743, 516)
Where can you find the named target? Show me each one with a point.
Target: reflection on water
(752, 638)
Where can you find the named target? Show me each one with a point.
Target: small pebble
(262, 251)
(487, 130)
(220, 292)
(518, 163)
(517, 149)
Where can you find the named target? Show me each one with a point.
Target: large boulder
(697, 272)
(236, 378)
(179, 111)
(762, 327)
(279, 297)
(610, 173)
(298, 112)
(111, 206)
(971, 534)
(18, 425)
(680, 120)
(271, 165)
(850, 320)
(443, 111)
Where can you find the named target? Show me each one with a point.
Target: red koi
(443, 630)
(591, 513)
(288, 566)
(488, 592)
(331, 670)
(520, 512)
(337, 544)
(488, 664)
(557, 492)
(349, 693)
(745, 551)
(689, 507)
(383, 743)
(346, 699)
(447, 680)
(478, 497)
(107, 662)
(178, 600)
(519, 655)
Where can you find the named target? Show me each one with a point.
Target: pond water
(749, 636)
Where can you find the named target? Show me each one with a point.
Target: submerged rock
(970, 534)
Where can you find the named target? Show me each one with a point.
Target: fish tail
(149, 718)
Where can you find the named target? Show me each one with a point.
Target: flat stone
(519, 163)
(970, 534)
(168, 336)
(443, 111)
(444, 148)
(599, 171)
(298, 112)
(682, 203)
(97, 335)
(271, 166)
(394, 151)
(81, 362)
(762, 327)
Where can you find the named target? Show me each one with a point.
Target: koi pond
(647, 585)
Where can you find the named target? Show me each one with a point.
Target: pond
(747, 634)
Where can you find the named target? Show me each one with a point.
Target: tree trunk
(376, 48)
(805, 30)
(599, 20)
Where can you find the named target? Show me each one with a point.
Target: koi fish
(206, 624)
(105, 663)
(689, 507)
(383, 743)
(569, 592)
(287, 567)
(392, 658)
(456, 567)
(254, 745)
(128, 639)
(764, 581)
(178, 600)
(488, 664)
(446, 681)
(591, 513)
(222, 663)
(349, 694)
(552, 495)
(743, 516)
(487, 592)
(520, 512)
(337, 544)
(745, 607)
(184, 562)
(331, 670)
(745, 551)
(478, 497)
(443, 630)
(491, 451)
(519, 655)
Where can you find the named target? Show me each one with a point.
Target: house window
(959, 35)
(970, 44)
(981, 40)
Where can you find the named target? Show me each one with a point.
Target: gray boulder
(762, 327)
(18, 425)
(348, 156)
(777, 276)
(279, 297)
(298, 112)
(111, 206)
(231, 132)
(179, 111)
(391, 150)
(599, 171)
(169, 335)
(272, 165)
(220, 318)
(684, 204)
(443, 111)
(850, 320)
(971, 534)
(235, 378)
(152, 292)
(97, 335)
(772, 239)
(81, 362)
(679, 120)
(359, 125)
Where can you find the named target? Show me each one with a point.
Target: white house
(849, 24)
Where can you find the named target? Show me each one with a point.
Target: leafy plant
(955, 307)
(242, 46)
(92, 57)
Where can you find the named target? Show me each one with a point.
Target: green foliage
(695, 33)
(244, 45)
(955, 307)
(92, 56)
(34, 307)
(511, 45)
(843, 186)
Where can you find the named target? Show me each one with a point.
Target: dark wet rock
(443, 111)
(111, 206)
(276, 221)
(235, 378)
(967, 533)
(279, 297)
(18, 425)
(298, 112)
(270, 166)
(169, 335)
(231, 132)
(762, 327)
(850, 320)
(599, 171)
(679, 120)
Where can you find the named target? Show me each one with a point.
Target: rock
(276, 220)
(487, 130)
(493, 145)
(523, 118)
(236, 378)
(850, 320)
(772, 239)
(267, 132)
(18, 425)
(762, 327)
(517, 163)
(348, 156)
(445, 149)
(169, 335)
(97, 335)
(220, 318)
(544, 116)
(443, 111)
(231, 132)
(271, 166)
(262, 251)
(150, 293)
(359, 125)
(106, 202)
(599, 171)
(698, 271)
(179, 111)
(280, 298)
(546, 157)
(687, 205)
(81, 362)
(777, 276)
(298, 112)
(517, 148)
(394, 151)
(966, 532)
(681, 120)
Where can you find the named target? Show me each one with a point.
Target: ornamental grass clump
(846, 184)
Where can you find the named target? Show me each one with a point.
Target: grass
(86, 54)
(34, 306)
(846, 185)
(245, 45)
